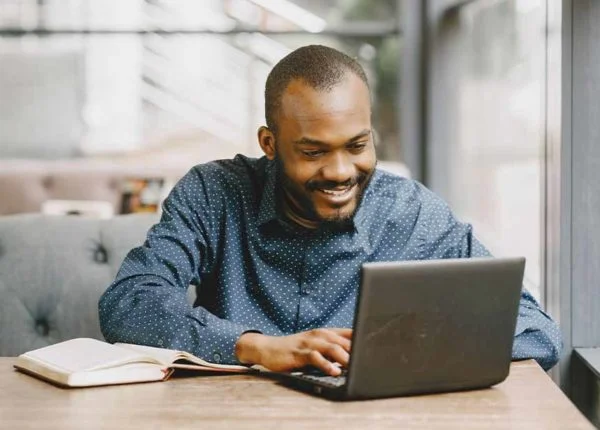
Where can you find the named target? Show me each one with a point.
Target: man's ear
(266, 140)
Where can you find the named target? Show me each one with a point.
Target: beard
(298, 196)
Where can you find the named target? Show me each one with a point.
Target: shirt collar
(361, 217)
(268, 205)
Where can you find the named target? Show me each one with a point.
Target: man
(275, 245)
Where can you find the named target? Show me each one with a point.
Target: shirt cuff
(217, 337)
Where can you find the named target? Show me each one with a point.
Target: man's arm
(147, 303)
(537, 336)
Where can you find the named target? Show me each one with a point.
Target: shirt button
(217, 357)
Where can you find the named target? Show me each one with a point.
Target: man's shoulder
(239, 165)
(230, 174)
(391, 185)
(404, 192)
(410, 201)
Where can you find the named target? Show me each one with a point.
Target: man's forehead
(301, 101)
(299, 87)
(349, 113)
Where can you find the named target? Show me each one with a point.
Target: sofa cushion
(53, 271)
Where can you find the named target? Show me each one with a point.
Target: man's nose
(339, 168)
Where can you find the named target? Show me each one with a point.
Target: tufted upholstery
(53, 271)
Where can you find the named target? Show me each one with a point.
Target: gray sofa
(53, 271)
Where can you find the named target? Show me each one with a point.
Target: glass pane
(42, 86)
(310, 15)
(129, 92)
(217, 15)
(496, 149)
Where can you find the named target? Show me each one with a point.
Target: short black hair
(319, 66)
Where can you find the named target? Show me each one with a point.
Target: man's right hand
(320, 348)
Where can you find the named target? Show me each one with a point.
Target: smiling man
(275, 245)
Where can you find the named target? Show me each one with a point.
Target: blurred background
(164, 74)
(110, 101)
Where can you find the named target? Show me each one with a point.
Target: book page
(169, 357)
(165, 356)
(83, 354)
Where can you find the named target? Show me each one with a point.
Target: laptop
(426, 327)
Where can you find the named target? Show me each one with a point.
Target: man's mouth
(338, 194)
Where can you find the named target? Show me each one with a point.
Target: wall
(581, 197)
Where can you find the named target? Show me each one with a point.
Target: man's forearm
(140, 310)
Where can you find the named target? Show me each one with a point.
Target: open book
(84, 362)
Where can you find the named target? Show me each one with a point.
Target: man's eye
(357, 147)
(313, 153)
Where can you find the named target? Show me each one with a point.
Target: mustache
(330, 185)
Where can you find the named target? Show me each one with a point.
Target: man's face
(325, 150)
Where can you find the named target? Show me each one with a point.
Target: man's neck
(293, 216)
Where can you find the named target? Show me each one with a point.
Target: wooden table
(528, 399)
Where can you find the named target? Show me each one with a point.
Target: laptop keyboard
(321, 378)
(332, 381)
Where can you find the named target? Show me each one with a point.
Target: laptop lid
(433, 326)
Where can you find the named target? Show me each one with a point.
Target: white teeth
(337, 192)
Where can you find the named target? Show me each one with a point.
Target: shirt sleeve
(147, 302)
(537, 336)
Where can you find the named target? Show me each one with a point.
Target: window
(488, 158)
(171, 73)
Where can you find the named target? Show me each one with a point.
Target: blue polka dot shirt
(222, 231)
